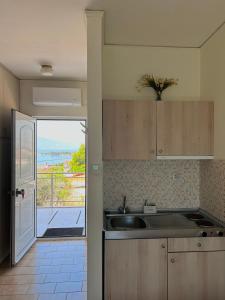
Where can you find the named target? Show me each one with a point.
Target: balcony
(61, 204)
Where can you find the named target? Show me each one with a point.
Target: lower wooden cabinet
(136, 269)
(161, 269)
(196, 276)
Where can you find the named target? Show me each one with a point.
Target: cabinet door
(129, 129)
(136, 269)
(185, 128)
(196, 276)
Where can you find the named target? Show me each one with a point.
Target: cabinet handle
(160, 151)
(199, 244)
(173, 260)
(152, 151)
(163, 246)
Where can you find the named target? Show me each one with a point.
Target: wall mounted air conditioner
(56, 96)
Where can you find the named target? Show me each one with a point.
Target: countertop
(164, 224)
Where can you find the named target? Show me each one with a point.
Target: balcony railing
(61, 189)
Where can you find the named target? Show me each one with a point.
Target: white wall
(9, 99)
(124, 65)
(95, 190)
(27, 107)
(213, 84)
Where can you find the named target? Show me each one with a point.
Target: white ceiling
(43, 31)
(54, 31)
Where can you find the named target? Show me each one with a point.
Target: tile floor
(51, 270)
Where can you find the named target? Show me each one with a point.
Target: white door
(23, 185)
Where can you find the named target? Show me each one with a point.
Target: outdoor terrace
(60, 201)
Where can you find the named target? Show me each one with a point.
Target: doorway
(42, 269)
(61, 178)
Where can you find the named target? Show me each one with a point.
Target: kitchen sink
(127, 222)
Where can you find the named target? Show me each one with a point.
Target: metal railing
(61, 189)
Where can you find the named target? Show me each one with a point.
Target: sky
(68, 132)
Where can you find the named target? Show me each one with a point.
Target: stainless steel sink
(127, 222)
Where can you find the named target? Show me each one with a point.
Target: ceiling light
(46, 70)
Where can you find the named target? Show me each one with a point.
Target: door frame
(59, 118)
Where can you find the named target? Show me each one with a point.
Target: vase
(159, 96)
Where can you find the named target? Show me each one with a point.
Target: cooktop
(207, 225)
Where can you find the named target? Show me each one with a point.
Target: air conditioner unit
(56, 96)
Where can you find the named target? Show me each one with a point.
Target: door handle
(20, 192)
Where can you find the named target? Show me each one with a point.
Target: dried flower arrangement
(159, 84)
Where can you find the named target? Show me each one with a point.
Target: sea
(53, 158)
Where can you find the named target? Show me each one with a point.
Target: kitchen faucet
(124, 209)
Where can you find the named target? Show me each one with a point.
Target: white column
(95, 188)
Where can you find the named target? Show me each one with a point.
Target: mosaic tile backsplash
(212, 187)
(169, 184)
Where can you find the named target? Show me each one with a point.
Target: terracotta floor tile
(45, 244)
(76, 296)
(35, 255)
(62, 261)
(80, 252)
(43, 288)
(19, 297)
(84, 286)
(35, 261)
(52, 270)
(68, 287)
(78, 276)
(9, 289)
(48, 269)
(71, 248)
(18, 271)
(60, 255)
(58, 296)
(17, 279)
(43, 250)
(72, 268)
(60, 277)
(80, 260)
(30, 270)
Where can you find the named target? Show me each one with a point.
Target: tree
(77, 163)
(43, 190)
(52, 184)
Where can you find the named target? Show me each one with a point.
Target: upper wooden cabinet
(129, 129)
(185, 128)
(167, 129)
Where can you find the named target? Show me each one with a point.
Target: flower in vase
(159, 84)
